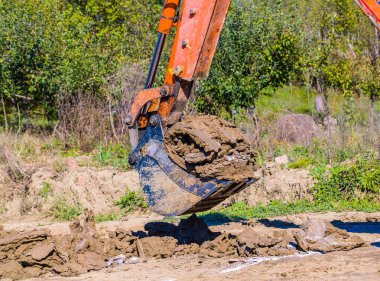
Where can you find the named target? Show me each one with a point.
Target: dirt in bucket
(210, 147)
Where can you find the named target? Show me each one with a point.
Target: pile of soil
(89, 187)
(210, 147)
(37, 253)
(276, 183)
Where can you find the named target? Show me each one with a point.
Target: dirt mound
(36, 253)
(317, 235)
(251, 243)
(276, 183)
(210, 147)
(297, 128)
(91, 188)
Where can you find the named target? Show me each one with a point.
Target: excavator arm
(199, 25)
(169, 189)
(372, 9)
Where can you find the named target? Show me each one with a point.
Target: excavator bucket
(170, 190)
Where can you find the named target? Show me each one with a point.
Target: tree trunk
(328, 117)
(5, 113)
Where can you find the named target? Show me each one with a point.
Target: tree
(258, 51)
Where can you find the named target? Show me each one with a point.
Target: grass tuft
(46, 190)
(131, 201)
(63, 211)
(108, 217)
(115, 155)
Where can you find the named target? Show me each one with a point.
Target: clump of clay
(210, 147)
(317, 235)
(251, 243)
(37, 252)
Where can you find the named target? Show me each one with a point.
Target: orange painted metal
(168, 15)
(212, 38)
(200, 26)
(141, 99)
(197, 36)
(198, 31)
(372, 9)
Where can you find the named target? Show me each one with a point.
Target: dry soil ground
(362, 263)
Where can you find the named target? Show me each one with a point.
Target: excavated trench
(36, 253)
(206, 146)
(210, 147)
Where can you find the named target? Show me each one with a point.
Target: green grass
(46, 190)
(302, 163)
(285, 100)
(131, 201)
(64, 211)
(377, 106)
(107, 217)
(240, 211)
(115, 155)
(358, 179)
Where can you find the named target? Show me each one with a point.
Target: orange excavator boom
(372, 9)
(169, 189)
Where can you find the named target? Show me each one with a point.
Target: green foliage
(108, 217)
(302, 163)
(131, 201)
(358, 179)
(46, 190)
(55, 48)
(240, 210)
(115, 155)
(64, 211)
(51, 50)
(285, 99)
(258, 51)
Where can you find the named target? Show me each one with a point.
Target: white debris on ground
(258, 260)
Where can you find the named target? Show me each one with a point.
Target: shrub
(300, 163)
(114, 155)
(131, 201)
(64, 211)
(356, 180)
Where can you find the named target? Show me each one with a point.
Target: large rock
(317, 235)
(300, 129)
